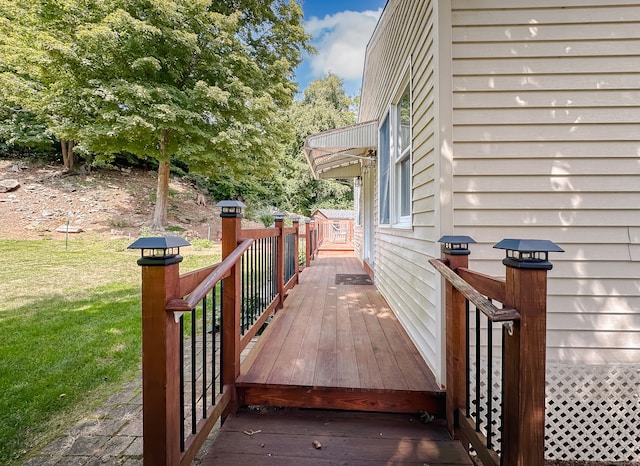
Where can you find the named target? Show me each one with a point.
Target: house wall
(546, 145)
(408, 33)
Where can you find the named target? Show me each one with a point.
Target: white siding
(546, 127)
(407, 32)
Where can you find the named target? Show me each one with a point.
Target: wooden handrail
(259, 233)
(491, 287)
(189, 280)
(222, 271)
(483, 304)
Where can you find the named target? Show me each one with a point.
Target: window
(384, 155)
(394, 163)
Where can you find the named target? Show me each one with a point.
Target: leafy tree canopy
(201, 80)
(324, 105)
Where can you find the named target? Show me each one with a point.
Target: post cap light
(231, 208)
(457, 245)
(295, 218)
(279, 216)
(159, 250)
(307, 220)
(528, 253)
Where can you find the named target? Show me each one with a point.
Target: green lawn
(69, 332)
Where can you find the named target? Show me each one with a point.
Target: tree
(199, 80)
(323, 106)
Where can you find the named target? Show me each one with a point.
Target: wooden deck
(337, 346)
(286, 437)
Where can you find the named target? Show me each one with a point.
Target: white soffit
(338, 153)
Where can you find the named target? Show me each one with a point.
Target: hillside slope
(103, 203)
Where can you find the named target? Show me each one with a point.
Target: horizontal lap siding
(402, 273)
(547, 145)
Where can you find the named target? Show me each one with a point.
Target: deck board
(332, 337)
(285, 437)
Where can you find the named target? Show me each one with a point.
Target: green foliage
(22, 129)
(267, 219)
(324, 106)
(175, 228)
(200, 80)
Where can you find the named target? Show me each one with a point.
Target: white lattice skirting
(592, 412)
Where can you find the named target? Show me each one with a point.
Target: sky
(341, 30)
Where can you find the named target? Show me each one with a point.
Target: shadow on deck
(336, 344)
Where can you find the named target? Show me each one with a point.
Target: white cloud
(341, 40)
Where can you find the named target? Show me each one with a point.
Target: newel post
(161, 421)
(279, 221)
(314, 239)
(296, 250)
(231, 215)
(307, 241)
(456, 252)
(525, 351)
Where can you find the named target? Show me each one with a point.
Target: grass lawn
(69, 332)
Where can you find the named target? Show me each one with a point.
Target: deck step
(353, 399)
(318, 437)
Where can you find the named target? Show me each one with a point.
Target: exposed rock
(8, 185)
(68, 229)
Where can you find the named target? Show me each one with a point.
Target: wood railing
(311, 241)
(334, 231)
(195, 326)
(482, 407)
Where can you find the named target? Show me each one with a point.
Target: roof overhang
(341, 152)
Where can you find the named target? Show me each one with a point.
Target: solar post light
(159, 250)
(231, 208)
(528, 253)
(456, 245)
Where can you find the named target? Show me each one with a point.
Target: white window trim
(395, 197)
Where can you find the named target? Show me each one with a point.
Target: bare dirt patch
(104, 203)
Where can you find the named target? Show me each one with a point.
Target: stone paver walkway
(109, 435)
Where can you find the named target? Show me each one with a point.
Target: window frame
(393, 158)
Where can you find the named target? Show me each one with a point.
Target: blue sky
(340, 30)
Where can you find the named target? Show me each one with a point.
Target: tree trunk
(162, 191)
(162, 196)
(67, 154)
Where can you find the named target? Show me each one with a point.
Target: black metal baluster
(182, 383)
(261, 272)
(221, 336)
(478, 349)
(243, 302)
(254, 285)
(213, 344)
(489, 382)
(204, 357)
(274, 252)
(193, 372)
(467, 358)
